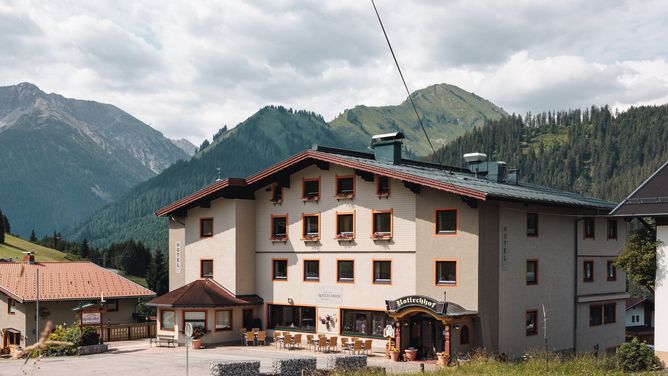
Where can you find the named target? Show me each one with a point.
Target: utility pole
(37, 306)
(547, 357)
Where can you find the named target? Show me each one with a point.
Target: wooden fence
(126, 332)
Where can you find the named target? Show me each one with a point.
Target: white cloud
(187, 68)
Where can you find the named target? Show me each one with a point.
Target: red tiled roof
(204, 293)
(65, 281)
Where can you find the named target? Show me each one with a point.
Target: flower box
(279, 239)
(311, 238)
(345, 237)
(381, 236)
(345, 196)
(277, 202)
(311, 198)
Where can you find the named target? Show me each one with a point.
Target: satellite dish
(189, 329)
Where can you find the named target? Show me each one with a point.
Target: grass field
(14, 247)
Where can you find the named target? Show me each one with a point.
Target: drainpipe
(575, 288)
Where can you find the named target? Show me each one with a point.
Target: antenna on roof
(218, 179)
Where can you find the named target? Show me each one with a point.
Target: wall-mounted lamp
(290, 301)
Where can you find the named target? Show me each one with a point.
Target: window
(311, 189)
(612, 271)
(609, 313)
(279, 227)
(382, 272)
(446, 221)
(206, 268)
(345, 186)
(464, 336)
(589, 228)
(382, 186)
(310, 226)
(112, 305)
(205, 227)
(532, 272)
(595, 314)
(345, 226)
(588, 271)
(223, 320)
(312, 270)
(276, 193)
(345, 271)
(291, 317)
(279, 270)
(196, 318)
(531, 323)
(364, 323)
(532, 224)
(446, 273)
(11, 306)
(612, 229)
(382, 224)
(166, 320)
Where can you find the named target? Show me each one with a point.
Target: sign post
(189, 336)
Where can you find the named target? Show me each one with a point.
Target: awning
(204, 293)
(442, 310)
(11, 330)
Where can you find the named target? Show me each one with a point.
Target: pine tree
(84, 251)
(157, 277)
(33, 237)
(5, 222)
(2, 229)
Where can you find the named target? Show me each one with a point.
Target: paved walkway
(129, 358)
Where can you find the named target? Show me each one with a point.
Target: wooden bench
(171, 341)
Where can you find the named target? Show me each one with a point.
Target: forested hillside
(592, 151)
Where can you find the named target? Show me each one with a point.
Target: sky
(187, 68)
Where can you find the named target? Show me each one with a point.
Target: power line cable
(410, 97)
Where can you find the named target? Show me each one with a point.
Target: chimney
(29, 257)
(387, 147)
(491, 170)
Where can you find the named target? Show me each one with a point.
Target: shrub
(635, 356)
(70, 334)
(89, 336)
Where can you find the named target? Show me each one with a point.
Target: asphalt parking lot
(136, 358)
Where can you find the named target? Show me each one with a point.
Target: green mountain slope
(446, 111)
(14, 247)
(270, 135)
(590, 152)
(64, 158)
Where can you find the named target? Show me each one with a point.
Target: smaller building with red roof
(60, 290)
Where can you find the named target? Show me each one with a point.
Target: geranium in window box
(345, 196)
(279, 239)
(383, 194)
(311, 238)
(276, 201)
(345, 237)
(381, 236)
(311, 198)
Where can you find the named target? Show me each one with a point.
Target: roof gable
(649, 199)
(203, 293)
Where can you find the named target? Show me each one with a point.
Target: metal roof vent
(387, 147)
(475, 157)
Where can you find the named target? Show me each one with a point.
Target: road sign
(189, 329)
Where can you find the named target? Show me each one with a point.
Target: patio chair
(367, 346)
(255, 330)
(357, 347)
(344, 342)
(278, 340)
(242, 334)
(322, 344)
(309, 342)
(287, 340)
(298, 340)
(333, 341)
(250, 338)
(262, 337)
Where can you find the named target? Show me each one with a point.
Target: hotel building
(347, 243)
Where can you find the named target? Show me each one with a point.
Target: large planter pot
(394, 355)
(411, 354)
(197, 344)
(387, 350)
(442, 359)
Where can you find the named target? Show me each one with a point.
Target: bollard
(421, 367)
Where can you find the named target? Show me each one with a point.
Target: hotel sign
(397, 305)
(329, 295)
(177, 259)
(91, 318)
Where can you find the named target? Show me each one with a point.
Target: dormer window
(345, 186)
(276, 193)
(382, 186)
(311, 189)
(279, 227)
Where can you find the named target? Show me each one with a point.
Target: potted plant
(394, 354)
(198, 333)
(345, 237)
(411, 354)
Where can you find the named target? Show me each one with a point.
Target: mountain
(446, 111)
(273, 134)
(593, 151)
(64, 158)
(186, 146)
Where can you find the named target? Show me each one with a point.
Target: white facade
(661, 295)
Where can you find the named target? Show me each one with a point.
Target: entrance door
(247, 318)
(426, 335)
